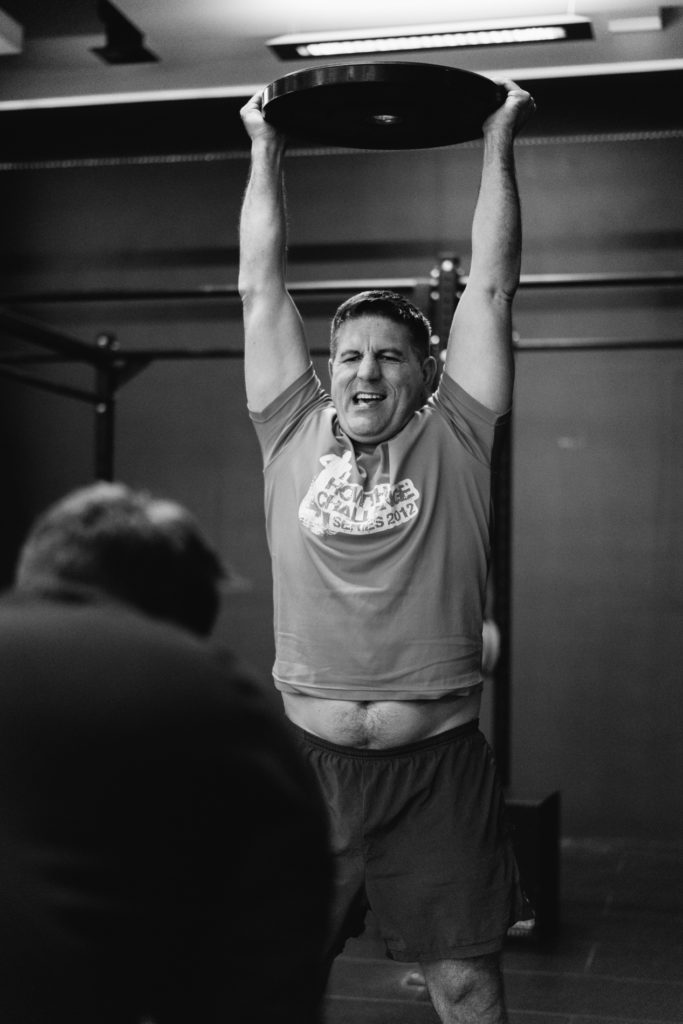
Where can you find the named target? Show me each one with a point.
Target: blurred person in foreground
(163, 849)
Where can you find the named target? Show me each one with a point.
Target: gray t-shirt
(379, 556)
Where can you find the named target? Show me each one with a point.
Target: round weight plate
(387, 105)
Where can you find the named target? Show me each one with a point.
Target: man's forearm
(496, 227)
(262, 220)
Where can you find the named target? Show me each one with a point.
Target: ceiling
(214, 52)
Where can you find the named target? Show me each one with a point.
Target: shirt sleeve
(475, 426)
(277, 423)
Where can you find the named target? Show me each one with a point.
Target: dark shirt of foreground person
(163, 850)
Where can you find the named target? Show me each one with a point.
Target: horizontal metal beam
(20, 326)
(215, 291)
(129, 363)
(573, 344)
(341, 286)
(649, 280)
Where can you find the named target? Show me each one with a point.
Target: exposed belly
(379, 724)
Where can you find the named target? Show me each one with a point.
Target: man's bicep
(275, 349)
(479, 354)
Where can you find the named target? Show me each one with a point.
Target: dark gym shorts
(420, 837)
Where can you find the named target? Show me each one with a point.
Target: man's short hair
(145, 551)
(393, 306)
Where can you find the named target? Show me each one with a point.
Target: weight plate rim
(343, 74)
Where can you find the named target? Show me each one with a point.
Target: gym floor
(617, 957)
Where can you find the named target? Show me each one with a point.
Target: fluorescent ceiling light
(11, 35)
(504, 32)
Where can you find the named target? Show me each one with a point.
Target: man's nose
(369, 366)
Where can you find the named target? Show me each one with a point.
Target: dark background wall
(596, 485)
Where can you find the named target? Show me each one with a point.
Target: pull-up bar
(335, 286)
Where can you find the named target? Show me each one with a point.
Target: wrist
(268, 145)
(501, 136)
(499, 149)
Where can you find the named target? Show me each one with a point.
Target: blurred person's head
(145, 551)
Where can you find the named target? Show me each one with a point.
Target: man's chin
(366, 433)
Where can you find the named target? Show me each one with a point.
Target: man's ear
(329, 366)
(429, 371)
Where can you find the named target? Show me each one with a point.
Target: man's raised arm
(275, 345)
(479, 354)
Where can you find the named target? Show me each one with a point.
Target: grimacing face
(377, 380)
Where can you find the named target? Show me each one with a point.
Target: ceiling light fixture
(401, 39)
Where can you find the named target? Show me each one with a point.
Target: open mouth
(367, 398)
